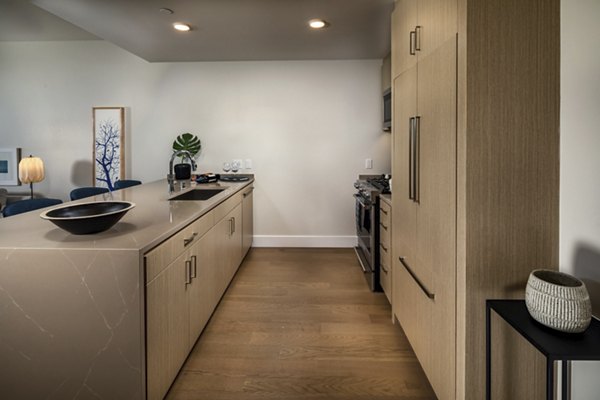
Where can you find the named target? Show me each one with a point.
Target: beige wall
(307, 125)
(580, 162)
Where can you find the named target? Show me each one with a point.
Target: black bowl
(88, 218)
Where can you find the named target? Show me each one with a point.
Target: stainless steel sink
(198, 194)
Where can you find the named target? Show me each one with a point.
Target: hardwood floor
(301, 324)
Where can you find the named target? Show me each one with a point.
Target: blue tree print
(108, 153)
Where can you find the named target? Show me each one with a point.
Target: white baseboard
(303, 241)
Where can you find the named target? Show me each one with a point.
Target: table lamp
(31, 170)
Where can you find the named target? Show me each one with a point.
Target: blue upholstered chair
(83, 192)
(126, 183)
(22, 206)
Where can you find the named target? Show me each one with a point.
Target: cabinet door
(404, 209)
(436, 213)
(223, 262)
(201, 292)
(404, 216)
(404, 20)
(167, 326)
(235, 240)
(247, 221)
(438, 22)
(228, 247)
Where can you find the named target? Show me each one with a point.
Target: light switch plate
(248, 163)
(369, 163)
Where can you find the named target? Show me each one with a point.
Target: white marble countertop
(153, 220)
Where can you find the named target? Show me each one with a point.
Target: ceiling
(22, 21)
(222, 30)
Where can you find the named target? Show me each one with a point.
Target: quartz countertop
(153, 220)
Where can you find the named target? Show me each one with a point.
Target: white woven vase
(559, 301)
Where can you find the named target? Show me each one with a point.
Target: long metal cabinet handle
(230, 226)
(417, 160)
(189, 240)
(194, 261)
(188, 272)
(410, 157)
(411, 44)
(233, 218)
(412, 274)
(417, 38)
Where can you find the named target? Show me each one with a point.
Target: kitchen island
(92, 316)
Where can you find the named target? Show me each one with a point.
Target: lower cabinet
(167, 326)
(385, 249)
(186, 277)
(248, 223)
(229, 247)
(202, 294)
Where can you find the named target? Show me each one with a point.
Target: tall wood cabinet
(475, 166)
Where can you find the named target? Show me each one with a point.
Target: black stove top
(381, 183)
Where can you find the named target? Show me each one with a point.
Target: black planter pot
(182, 171)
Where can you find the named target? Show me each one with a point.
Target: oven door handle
(359, 198)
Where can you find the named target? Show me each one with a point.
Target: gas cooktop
(381, 183)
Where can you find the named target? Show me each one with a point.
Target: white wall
(580, 162)
(307, 125)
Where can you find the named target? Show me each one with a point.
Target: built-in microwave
(387, 110)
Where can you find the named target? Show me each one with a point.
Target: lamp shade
(31, 170)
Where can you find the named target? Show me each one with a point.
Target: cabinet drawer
(385, 238)
(385, 274)
(385, 214)
(161, 256)
(225, 207)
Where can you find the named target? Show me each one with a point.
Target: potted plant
(192, 145)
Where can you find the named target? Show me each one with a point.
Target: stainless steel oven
(367, 232)
(369, 187)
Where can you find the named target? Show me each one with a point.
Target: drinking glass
(235, 166)
(226, 167)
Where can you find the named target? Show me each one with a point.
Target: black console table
(555, 346)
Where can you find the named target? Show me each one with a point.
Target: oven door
(364, 227)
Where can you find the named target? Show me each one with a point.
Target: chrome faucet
(171, 176)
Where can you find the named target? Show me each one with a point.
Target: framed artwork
(9, 166)
(109, 143)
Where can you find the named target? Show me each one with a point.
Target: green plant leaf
(189, 142)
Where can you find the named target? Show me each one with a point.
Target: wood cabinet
(385, 249)
(425, 162)
(229, 246)
(248, 220)
(203, 296)
(475, 166)
(167, 326)
(186, 277)
(176, 310)
(419, 27)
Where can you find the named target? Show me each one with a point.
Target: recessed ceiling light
(167, 11)
(317, 23)
(181, 27)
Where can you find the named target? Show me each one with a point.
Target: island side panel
(70, 324)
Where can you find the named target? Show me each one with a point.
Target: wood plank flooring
(301, 324)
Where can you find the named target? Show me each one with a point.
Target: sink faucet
(171, 176)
